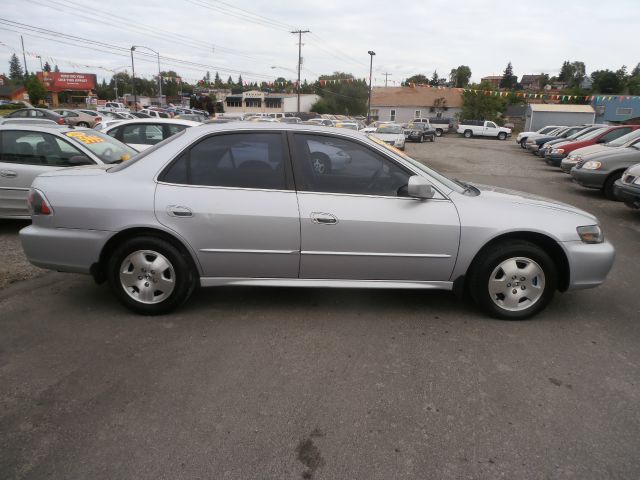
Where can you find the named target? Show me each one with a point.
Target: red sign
(60, 82)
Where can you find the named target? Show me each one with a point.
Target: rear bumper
(589, 264)
(63, 249)
(629, 194)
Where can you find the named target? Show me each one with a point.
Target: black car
(419, 132)
(140, 115)
(38, 113)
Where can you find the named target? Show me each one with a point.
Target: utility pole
(24, 57)
(299, 32)
(386, 74)
(371, 53)
(133, 82)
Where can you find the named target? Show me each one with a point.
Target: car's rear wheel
(438, 132)
(502, 136)
(468, 134)
(83, 124)
(608, 187)
(320, 163)
(150, 276)
(513, 280)
(421, 139)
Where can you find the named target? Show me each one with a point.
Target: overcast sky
(408, 37)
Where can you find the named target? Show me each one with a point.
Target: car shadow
(8, 227)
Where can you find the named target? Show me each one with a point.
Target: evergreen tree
(229, 82)
(47, 67)
(435, 80)
(56, 69)
(207, 77)
(636, 71)
(216, 81)
(509, 80)
(15, 68)
(240, 80)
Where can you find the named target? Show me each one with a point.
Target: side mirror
(420, 188)
(78, 160)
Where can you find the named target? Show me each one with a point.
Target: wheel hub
(147, 276)
(516, 284)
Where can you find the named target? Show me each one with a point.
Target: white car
(143, 133)
(522, 137)
(480, 128)
(154, 113)
(390, 133)
(104, 124)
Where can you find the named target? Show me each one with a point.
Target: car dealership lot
(281, 383)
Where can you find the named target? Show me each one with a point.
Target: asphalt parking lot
(251, 383)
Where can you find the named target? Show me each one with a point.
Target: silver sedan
(242, 204)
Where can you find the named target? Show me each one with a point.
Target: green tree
(47, 67)
(15, 68)
(636, 70)
(436, 81)
(240, 82)
(478, 106)
(36, 90)
(216, 81)
(56, 69)
(572, 73)
(459, 77)
(229, 82)
(606, 81)
(347, 96)
(509, 80)
(417, 79)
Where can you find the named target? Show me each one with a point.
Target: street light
(40, 58)
(371, 53)
(159, 76)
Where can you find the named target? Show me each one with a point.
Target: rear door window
(36, 148)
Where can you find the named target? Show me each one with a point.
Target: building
(12, 93)
(541, 115)
(403, 104)
(619, 109)
(255, 101)
(76, 86)
(532, 82)
(494, 80)
(516, 114)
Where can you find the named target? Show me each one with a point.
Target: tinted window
(173, 129)
(142, 134)
(36, 148)
(237, 160)
(329, 164)
(613, 134)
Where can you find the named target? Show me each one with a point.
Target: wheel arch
(98, 269)
(547, 243)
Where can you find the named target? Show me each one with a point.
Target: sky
(252, 38)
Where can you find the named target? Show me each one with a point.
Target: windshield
(389, 129)
(547, 129)
(417, 126)
(588, 135)
(628, 138)
(106, 148)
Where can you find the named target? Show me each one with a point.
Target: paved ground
(281, 383)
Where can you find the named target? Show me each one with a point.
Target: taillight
(61, 121)
(98, 119)
(38, 203)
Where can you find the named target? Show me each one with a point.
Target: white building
(403, 104)
(255, 101)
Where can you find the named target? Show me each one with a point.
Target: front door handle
(8, 173)
(323, 218)
(179, 211)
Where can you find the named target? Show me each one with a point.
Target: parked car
(541, 145)
(479, 128)
(440, 125)
(154, 113)
(574, 157)
(77, 118)
(627, 188)
(419, 132)
(601, 170)
(26, 121)
(114, 107)
(141, 134)
(555, 155)
(349, 125)
(29, 150)
(37, 113)
(104, 124)
(522, 137)
(184, 215)
(140, 115)
(390, 133)
(194, 117)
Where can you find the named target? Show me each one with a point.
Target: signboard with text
(60, 82)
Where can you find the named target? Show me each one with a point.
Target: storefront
(75, 87)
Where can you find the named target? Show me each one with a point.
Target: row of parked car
(604, 157)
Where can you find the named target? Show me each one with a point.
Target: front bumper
(589, 264)
(533, 148)
(566, 166)
(63, 249)
(589, 178)
(629, 194)
(553, 160)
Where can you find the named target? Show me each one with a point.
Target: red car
(559, 151)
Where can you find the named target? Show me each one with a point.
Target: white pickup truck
(479, 128)
(114, 107)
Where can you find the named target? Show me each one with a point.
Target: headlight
(637, 181)
(592, 165)
(591, 234)
(575, 159)
(557, 151)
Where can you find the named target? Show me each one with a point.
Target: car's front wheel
(502, 136)
(523, 143)
(513, 280)
(150, 276)
(438, 132)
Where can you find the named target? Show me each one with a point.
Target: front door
(231, 197)
(490, 129)
(357, 222)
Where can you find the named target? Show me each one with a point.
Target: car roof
(170, 121)
(53, 128)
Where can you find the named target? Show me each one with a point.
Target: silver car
(242, 204)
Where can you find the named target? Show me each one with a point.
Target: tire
(492, 289)
(82, 124)
(421, 139)
(145, 289)
(432, 138)
(523, 143)
(468, 134)
(320, 163)
(607, 188)
(438, 132)
(502, 136)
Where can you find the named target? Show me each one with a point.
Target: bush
(11, 106)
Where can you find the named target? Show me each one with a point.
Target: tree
(15, 68)
(35, 89)
(56, 69)
(418, 79)
(509, 80)
(459, 77)
(439, 106)
(606, 81)
(572, 73)
(240, 81)
(436, 81)
(47, 67)
(636, 71)
(230, 82)
(347, 96)
(216, 81)
(478, 106)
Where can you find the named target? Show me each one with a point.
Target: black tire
(489, 261)
(82, 124)
(184, 275)
(502, 136)
(432, 138)
(438, 132)
(421, 139)
(523, 143)
(607, 188)
(468, 134)
(320, 163)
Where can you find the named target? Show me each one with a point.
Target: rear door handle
(179, 211)
(323, 218)
(8, 173)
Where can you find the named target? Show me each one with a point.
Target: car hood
(621, 153)
(523, 198)
(592, 149)
(388, 136)
(82, 171)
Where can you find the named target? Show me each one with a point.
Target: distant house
(494, 80)
(541, 115)
(516, 114)
(403, 104)
(620, 109)
(532, 82)
(11, 92)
